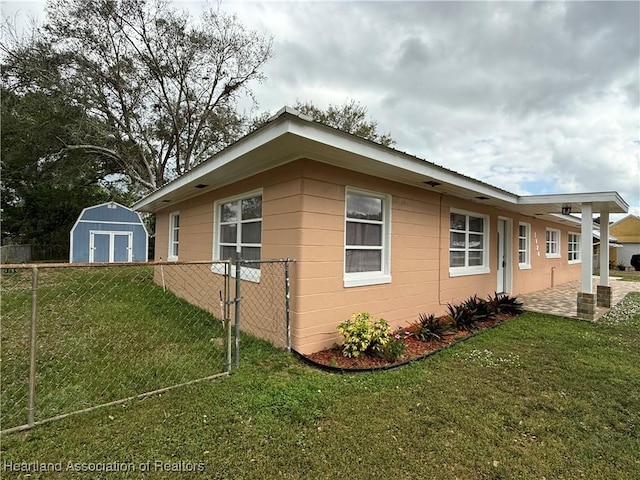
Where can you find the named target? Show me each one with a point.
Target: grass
(103, 334)
(631, 276)
(538, 397)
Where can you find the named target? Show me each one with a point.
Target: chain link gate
(262, 304)
(79, 337)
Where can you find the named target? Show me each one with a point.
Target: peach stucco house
(371, 228)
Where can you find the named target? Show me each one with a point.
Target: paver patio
(562, 299)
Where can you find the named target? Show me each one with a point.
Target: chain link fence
(262, 305)
(78, 337)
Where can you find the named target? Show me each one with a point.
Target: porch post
(586, 299)
(586, 238)
(603, 289)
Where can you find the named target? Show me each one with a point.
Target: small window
(239, 231)
(174, 235)
(574, 248)
(468, 243)
(367, 239)
(524, 245)
(553, 243)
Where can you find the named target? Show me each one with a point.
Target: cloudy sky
(533, 97)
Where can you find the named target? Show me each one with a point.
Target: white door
(110, 246)
(501, 261)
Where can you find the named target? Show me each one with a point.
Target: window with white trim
(553, 243)
(524, 245)
(367, 238)
(573, 244)
(239, 228)
(468, 243)
(174, 235)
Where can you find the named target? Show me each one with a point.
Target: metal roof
(290, 135)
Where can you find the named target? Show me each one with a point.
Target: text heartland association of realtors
(150, 466)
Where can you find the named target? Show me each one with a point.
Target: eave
(290, 136)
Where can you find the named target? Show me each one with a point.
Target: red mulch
(416, 348)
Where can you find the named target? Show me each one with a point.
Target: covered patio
(561, 299)
(588, 303)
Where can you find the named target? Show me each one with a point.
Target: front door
(503, 255)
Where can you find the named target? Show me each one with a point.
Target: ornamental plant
(429, 327)
(396, 346)
(362, 335)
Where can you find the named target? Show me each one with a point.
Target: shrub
(503, 303)
(361, 335)
(479, 308)
(461, 316)
(429, 327)
(395, 347)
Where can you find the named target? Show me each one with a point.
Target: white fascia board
(226, 156)
(365, 148)
(600, 197)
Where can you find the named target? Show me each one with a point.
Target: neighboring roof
(290, 135)
(624, 219)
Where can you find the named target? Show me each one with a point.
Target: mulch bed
(333, 357)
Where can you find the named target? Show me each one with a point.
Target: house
(108, 232)
(627, 232)
(372, 228)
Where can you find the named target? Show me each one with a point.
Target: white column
(586, 247)
(604, 249)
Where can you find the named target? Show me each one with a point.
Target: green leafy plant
(429, 327)
(362, 335)
(395, 347)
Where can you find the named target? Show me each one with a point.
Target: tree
(165, 88)
(350, 117)
(43, 190)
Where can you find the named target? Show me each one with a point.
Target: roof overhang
(289, 136)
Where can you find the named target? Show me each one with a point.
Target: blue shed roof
(109, 212)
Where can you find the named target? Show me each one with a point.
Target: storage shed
(108, 232)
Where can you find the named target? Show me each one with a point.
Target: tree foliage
(164, 87)
(350, 117)
(43, 190)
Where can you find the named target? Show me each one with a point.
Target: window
(239, 228)
(524, 245)
(553, 243)
(174, 235)
(574, 248)
(367, 239)
(468, 243)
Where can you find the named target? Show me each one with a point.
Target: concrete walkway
(562, 299)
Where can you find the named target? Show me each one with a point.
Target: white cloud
(532, 97)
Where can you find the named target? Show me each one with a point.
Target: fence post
(32, 348)
(227, 318)
(287, 297)
(237, 312)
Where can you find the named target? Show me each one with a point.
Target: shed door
(121, 248)
(110, 247)
(99, 247)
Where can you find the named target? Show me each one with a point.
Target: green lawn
(538, 397)
(630, 276)
(102, 334)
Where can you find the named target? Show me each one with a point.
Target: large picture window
(239, 228)
(367, 239)
(553, 243)
(468, 243)
(174, 236)
(524, 245)
(574, 248)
